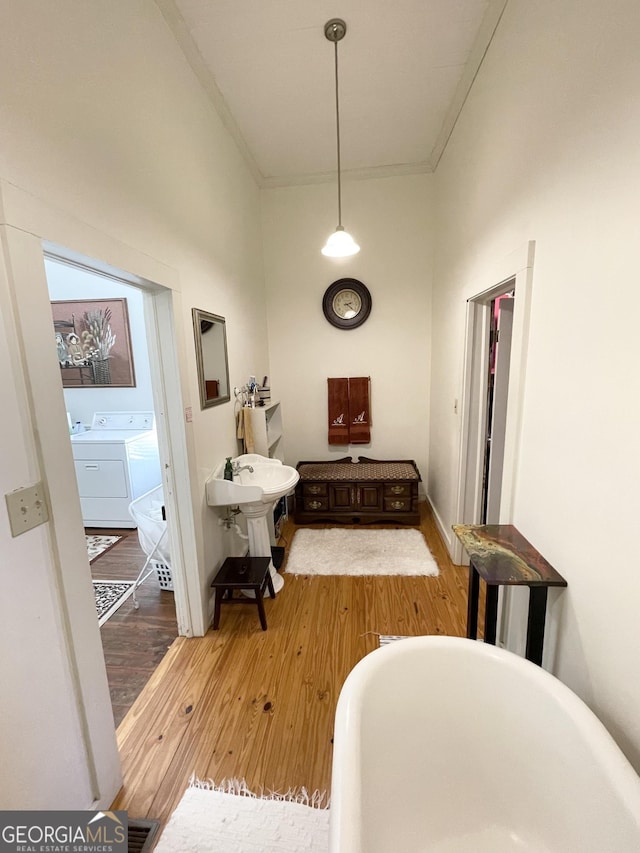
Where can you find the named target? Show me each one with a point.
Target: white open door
(497, 423)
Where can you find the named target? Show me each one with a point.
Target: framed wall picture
(93, 343)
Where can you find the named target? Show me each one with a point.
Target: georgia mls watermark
(63, 832)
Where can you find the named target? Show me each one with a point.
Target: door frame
(515, 271)
(29, 226)
(167, 400)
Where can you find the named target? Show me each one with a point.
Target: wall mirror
(211, 355)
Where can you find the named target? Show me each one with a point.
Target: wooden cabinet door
(341, 496)
(369, 496)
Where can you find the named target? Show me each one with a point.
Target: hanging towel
(245, 429)
(359, 410)
(338, 411)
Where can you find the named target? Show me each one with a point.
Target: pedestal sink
(255, 489)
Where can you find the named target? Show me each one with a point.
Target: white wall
(116, 153)
(546, 149)
(390, 218)
(66, 282)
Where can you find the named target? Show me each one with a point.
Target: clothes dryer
(116, 461)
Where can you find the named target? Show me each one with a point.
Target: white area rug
(98, 545)
(110, 595)
(338, 551)
(228, 818)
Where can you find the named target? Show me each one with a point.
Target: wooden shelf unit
(266, 422)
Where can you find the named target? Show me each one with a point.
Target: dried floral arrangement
(98, 323)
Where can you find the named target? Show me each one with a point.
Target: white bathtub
(443, 744)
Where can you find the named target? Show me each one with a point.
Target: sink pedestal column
(259, 541)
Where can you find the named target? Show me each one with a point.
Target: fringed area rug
(110, 595)
(99, 545)
(229, 818)
(338, 551)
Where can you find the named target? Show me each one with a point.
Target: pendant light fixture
(340, 244)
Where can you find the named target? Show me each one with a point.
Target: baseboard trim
(445, 534)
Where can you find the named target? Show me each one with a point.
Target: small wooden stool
(251, 573)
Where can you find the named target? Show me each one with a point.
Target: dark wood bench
(369, 490)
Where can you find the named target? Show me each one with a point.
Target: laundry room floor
(134, 641)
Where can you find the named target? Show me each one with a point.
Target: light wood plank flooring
(133, 641)
(257, 705)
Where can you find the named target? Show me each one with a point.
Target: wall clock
(346, 303)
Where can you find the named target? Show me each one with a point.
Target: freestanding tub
(449, 745)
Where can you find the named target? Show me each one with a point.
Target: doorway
(485, 403)
(105, 373)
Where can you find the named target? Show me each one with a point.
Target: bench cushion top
(361, 471)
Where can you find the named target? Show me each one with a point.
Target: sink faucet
(237, 467)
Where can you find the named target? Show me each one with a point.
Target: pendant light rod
(335, 30)
(335, 45)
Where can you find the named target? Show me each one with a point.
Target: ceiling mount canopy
(335, 29)
(340, 244)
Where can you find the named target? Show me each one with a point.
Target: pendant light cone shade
(340, 244)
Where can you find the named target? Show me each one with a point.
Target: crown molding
(390, 171)
(182, 35)
(479, 50)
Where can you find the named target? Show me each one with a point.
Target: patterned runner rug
(110, 595)
(99, 545)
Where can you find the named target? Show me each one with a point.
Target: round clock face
(346, 303)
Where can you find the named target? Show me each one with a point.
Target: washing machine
(116, 461)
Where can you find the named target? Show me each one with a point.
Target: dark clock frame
(330, 294)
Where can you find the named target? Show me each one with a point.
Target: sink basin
(266, 484)
(221, 492)
(255, 492)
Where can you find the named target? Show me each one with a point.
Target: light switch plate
(26, 508)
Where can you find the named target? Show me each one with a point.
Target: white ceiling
(406, 67)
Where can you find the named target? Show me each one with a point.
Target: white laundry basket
(146, 511)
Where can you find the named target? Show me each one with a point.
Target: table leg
(491, 614)
(216, 608)
(272, 592)
(260, 603)
(472, 603)
(535, 623)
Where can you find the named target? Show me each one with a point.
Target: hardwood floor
(260, 705)
(134, 641)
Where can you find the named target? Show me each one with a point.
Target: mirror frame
(200, 317)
